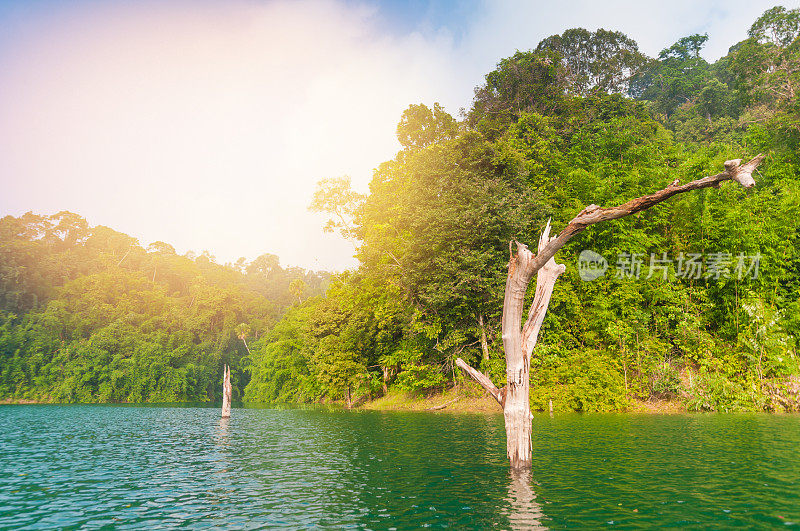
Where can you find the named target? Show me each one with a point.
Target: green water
(161, 467)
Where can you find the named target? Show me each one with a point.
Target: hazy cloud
(206, 125)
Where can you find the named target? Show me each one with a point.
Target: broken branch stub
(484, 381)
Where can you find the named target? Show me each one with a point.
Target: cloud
(207, 125)
(207, 128)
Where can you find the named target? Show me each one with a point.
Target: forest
(699, 302)
(89, 315)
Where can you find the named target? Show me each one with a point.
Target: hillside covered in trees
(699, 301)
(88, 315)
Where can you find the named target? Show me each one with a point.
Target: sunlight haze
(207, 125)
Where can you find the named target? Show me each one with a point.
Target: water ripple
(182, 467)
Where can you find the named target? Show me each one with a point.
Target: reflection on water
(155, 467)
(525, 513)
(222, 434)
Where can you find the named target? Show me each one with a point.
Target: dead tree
(227, 391)
(520, 339)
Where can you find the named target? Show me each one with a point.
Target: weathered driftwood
(227, 391)
(518, 343)
(441, 406)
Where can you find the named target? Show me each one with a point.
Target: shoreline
(467, 398)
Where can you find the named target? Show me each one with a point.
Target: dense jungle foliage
(88, 315)
(699, 302)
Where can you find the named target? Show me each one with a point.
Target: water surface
(162, 467)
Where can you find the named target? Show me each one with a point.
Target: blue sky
(207, 124)
(426, 16)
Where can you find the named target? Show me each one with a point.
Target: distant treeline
(584, 118)
(89, 315)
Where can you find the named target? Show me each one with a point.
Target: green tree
(524, 82)
(335, 196)
(421, 126)
(601, 60)
(676, 77)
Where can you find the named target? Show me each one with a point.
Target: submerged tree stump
(227, 391)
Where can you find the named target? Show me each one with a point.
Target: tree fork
(519, 343)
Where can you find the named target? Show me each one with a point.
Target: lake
(159, 467)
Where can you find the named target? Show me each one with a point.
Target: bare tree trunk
(227, 391)
(484, 343)
(518, 343)
(385, 380)
(124, 257)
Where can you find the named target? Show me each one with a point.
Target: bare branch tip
(755, 161)
(743, 173)
(545, 237)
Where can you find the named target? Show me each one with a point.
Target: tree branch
(486, 383)
(545, 280)
(594, 214)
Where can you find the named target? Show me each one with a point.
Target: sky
(208, 124)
